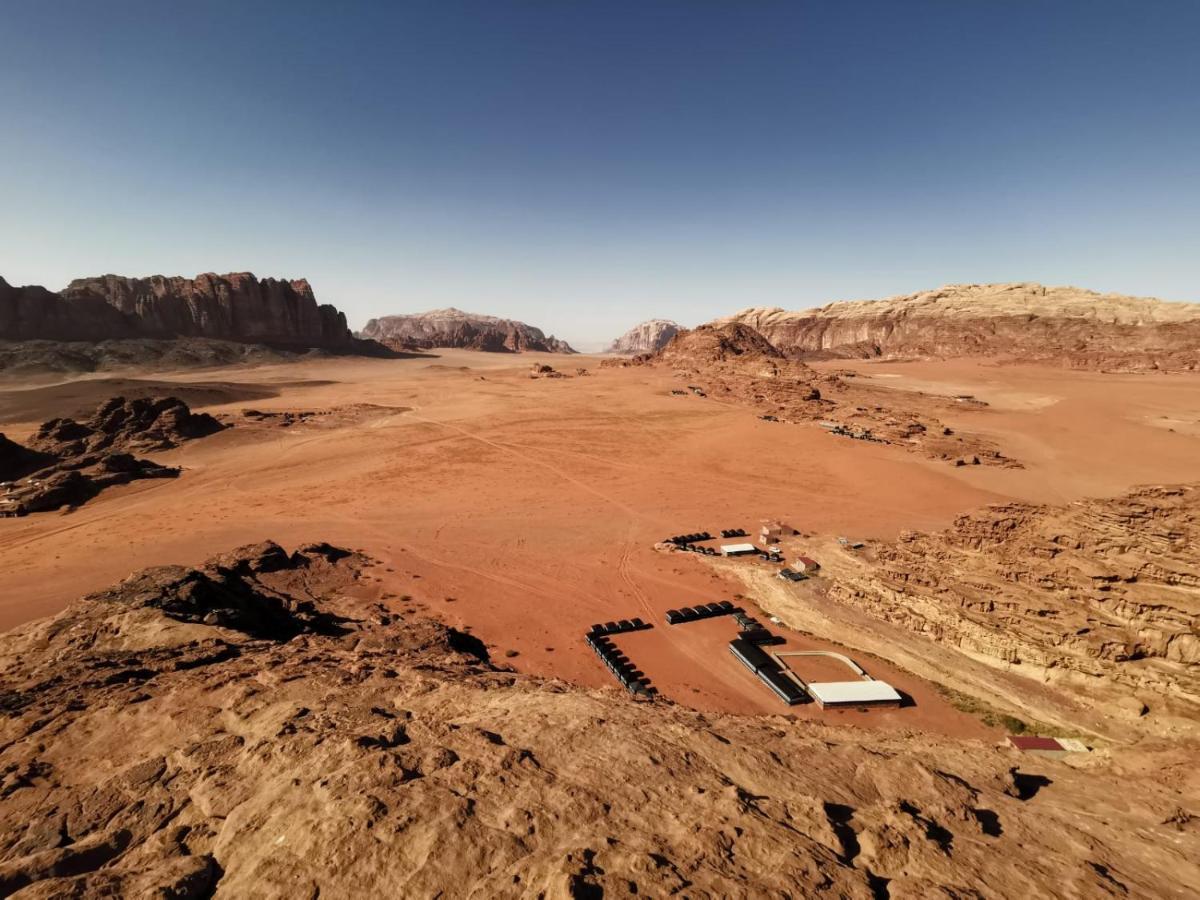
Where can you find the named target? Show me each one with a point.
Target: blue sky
(586, 165)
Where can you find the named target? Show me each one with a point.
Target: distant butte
(455, 328)
(645, 337)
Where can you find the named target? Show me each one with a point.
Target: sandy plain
(526, 509)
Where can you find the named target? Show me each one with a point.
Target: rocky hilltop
(455, 328)
(268, 724)
(67, 462)
(1100, 597)
(645, 337)
(234, 307)
(1020, 321)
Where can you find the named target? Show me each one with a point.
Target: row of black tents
(733, 532)
(694, 548)
(631, 678)
(689, 538)
(702, 611)
(618, 627)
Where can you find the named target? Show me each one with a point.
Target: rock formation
(234, 307)
(645, 337)
(269, 725)
(732, 361)
(1026, 322)
(68, 462)
(455, 328)
(143, 425)
(1101, 597)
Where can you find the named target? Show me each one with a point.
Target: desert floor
(527, 509)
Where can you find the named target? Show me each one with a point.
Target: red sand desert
(527, 509)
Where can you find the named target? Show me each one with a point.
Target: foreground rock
(267, 725)
(735, 362)
(646, 337)
(1025, 322)
(1099, 599)
(67, 462)
(455, 328)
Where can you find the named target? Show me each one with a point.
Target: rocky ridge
(1100, 598)
(1019, 321)
(735, 362)
(67, 462)
(645, 337)
(268, 724)
(455, 328)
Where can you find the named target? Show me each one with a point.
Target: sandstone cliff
(455, 328)
(645, 337)
(234, 307)
(1019, 321)
(269, 725)
(1101, 597)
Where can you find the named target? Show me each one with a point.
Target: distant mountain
(234, 307)
(646, 337)
(455, 328)
(1021, 321)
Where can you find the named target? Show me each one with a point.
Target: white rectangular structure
(737, 549)
(853, 693)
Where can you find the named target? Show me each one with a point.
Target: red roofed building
(804, 564)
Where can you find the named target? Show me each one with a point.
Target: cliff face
(646, 337)
(1023, 321)
(1102, 594)
(235, 307)
(34, 313)
(271, 724)
(455, 328)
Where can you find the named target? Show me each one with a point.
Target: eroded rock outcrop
(645, 337)
(1101, 596)
(732, 361)
(455, 328)
(67, 462)
(315, 738)
(1020, 321)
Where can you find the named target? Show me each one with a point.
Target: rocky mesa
(1021, 321)
(455, 328)
(268, 724)
(233, 307)
(645, 337)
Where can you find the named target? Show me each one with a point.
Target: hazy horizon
(585, 167)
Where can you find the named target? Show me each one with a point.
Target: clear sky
(586, 165)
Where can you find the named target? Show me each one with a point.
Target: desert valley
(447, 609)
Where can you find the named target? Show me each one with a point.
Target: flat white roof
(738, 548)
(853, 692)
